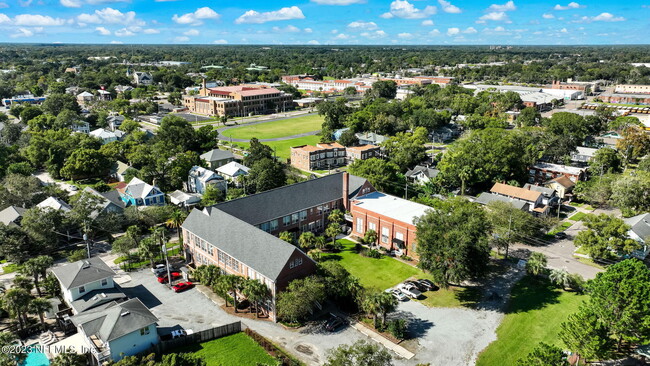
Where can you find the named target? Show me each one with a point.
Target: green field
(534, 314)
(282, 148)
(236, 349)
(578, 217)
(275, 129)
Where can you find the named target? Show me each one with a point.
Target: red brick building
(362, 152)
(321, 156)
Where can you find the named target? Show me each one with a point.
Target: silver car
(410, 290)
(399, 295)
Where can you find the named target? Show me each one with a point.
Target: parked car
(159, 268)
(410, 290)
(561, 235)
(181, 333)
(164, 278)
(73, 188)
(182, 286)
(415, 284)
(427, 285)
(334, 322)
(399, 295)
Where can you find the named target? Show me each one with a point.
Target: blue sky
(437, 22)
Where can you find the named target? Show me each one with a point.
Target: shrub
(76, 255)
(358, 248)
(101, 187)
(373, 253)
(576, 282)
(406, 257)
(397, 327)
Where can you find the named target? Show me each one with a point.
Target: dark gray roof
(82, 272)
(487, 197)
(108, 198)
(11, 214)
(428, 172)
(257, 249)
(217, 154)
(96, 298)
(116, 320)
(548, 192)
(640, 225)
(262, 207)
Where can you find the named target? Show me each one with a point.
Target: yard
(282, 148)
(279, 128)
(578, 217)
(236, 349)
(534, 314)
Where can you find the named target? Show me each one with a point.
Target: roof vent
(85, 265)
(125, 313)
(103, 295)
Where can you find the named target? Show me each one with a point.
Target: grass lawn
(563, 226)
(280, 128)
(578, 217)
(9, 268)
(236, 349)
(282, 148)
(534, 314)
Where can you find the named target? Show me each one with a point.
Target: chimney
(204, 84)
(346, 191)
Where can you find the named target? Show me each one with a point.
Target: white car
(181, 333)
(409, 290)
(399, 295)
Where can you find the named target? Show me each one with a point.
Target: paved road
(227, 138)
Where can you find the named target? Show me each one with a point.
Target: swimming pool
(36, 357)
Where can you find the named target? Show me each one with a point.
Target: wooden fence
(164, 347)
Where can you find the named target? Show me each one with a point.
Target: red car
(164, 278)
(182, 286)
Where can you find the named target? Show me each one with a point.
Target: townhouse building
(364, 152)
(321, 156)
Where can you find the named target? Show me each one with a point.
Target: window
(144, 331)
(360, 225)
(372, 226)
(295, 263)
(286, 220)
(384, 235)
(266, 227)
(274, 225)
(82, 289)
(294, 218)
(303, 215)
(399, 236)
(104, 282)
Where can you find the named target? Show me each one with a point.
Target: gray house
(109, 202)
(82, 278)
(421, 174)
(217, 158)
(12, 215)
(640, 231)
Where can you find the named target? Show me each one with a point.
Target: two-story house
(543, 172)
(562, 185)
(363, 152)
(199, 178)
(534, 198)
(640, 231)
(107, 136)
(421, 174)
(12, 215)
(117, 330)
(233, 172)
(108, 202)
(321, 156)
(217, 158)
(139, 193)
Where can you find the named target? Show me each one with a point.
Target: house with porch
(562, 185)
(199, 178)
(640, 231)
(139, 193)
(233, 172)
(534, 198)
(216, 158)
(421, 174)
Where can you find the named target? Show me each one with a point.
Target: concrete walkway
(399, 350)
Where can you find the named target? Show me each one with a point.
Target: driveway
(46, 178)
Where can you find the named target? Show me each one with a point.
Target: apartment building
(632, 89)
(362, 152)
(541, 173)
(321, 156)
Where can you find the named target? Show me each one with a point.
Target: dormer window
(82, 289)
(104, 282)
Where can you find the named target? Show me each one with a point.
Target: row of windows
(295, 263)
(385, 232)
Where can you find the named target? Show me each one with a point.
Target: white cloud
(287, 29)
(405, 35)
(374, 35)
(571, 5)
(191, 32)
(564, 30)
(181, 39)
(151, 31)
(470, 30)
(456, 31)
(116, 42)
(308, 30)
(197, 17)
(427, 22)
(124, 33)
(509, 6)
(99, 2)
(22, 32)
(4, 19)
(342, 36)
(334, 31)
(548, 16)
(110, 16)
(361, 25)
(3, 5)
(607, 17)
(313, 42)
(447, 7)
(25, 3)
(338, 2)
(71, 3)
(254, 17)
(434, 33)
(220, 41)
(404, 9)
(103, 31)
(37, 20)
(496, 16)
(453, 31)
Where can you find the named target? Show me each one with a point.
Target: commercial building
(632, 89)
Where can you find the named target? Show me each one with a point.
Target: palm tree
(307, 240)
(36, 267)
(378, 305)
(320, 242)
(336, 216)
(6, 358)
(370, 237)
(149, 249)
(175, 221)
(16, 300)
(24, 283)
(69, 359)
(333, 230)
(256, 292)
(38, 306)
(286, 236)
(230, 283)
(207, 275)
(536, 263)
(560, 277)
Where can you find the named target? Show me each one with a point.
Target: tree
(86, 163)
(381, 174)
(568, 124)
(286, 236)
(299, 300)
(370, 237)
(529, 116)
(584, 334)
(175, 221)
(605, 160)
(335, 114)
(605, 234)
(332, 230)
(266, 174)
(39, 223)
(15, 301)
(51, 285)
(560, 277)
(257, 151)
(38, 306)
(176, 131)
(69, 359)
(212, 195)
(348, 138)
(544, 355)
(207, 274)
(361, 353)
(149, 249)
(29, 113)
(8, 339)
(130, 126)
(307, 240)
(509, 224)
(536, 264)
(386, 89)
(453, 241)
(56, 103)
(406, 150)
(629, 192)
(634, 144)
(230, 284)
(36, 268)
(378, 305)
(256, 292)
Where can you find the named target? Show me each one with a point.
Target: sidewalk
(399, 350)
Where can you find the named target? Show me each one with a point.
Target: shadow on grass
(469, 297)
(331, 257)
(532, 293)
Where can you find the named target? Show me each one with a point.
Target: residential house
(106, 136)
(199, 178)
(119, 169)
(640, 231)
(336, 135)
(108, 202)
(362, 152)
(421, 174)
(213, 236)
(445, 133)
(123, 88)
(184, 199)
(543, 172)
(12, 215)
(583, 155)
(115, 121)
(392, 218)
(80, 126)
(549, 195)
(486, 198)
(54, 203)
(104, 95)
(139, 193)
(217, 158)
(233, 172)
(321, 156)
(117, 330)
(142, 78)
(85, 98)
(562, 185)
(82, 280)
(370, 138)
(533, 197)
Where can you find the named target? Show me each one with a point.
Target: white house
(421, 174)
(117, 330)
(81, 126)
(114, 122)
(105, 136)
(200, 177)
(142, 78)
(233, 171)
(640, 231)
(87, 277)
(53, 203)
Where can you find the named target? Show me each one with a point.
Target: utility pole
(169, 274)
(559, 208)
(406, 189)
